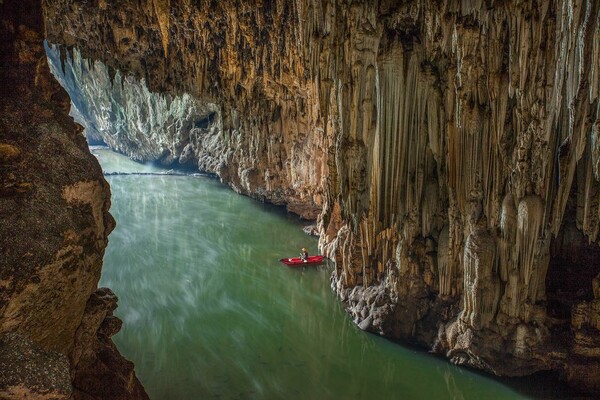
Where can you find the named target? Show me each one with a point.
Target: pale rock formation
(481, 282)
(124, 114)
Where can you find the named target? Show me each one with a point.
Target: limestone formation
(124, 114)
(54, 225)
(452, 147)
(498, 130)
(252, 119)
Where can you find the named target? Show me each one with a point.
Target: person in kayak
(304, 255)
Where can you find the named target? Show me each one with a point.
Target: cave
(447, 153)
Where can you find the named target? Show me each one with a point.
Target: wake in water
(114, 164)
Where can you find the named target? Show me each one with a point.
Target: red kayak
(298, 262)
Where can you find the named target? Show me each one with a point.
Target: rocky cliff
(55, 324)
(452, 147)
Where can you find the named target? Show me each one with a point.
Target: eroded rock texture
(253, 120)
(146, 126)
(54, 224)
(455, 143)
(478, 162)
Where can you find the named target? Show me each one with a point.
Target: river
(210, 312)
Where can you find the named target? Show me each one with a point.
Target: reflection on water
(209, 312)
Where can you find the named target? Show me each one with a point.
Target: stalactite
(576, 54)
(508, 238)
(482, 286)
(403, 134)
(445, 273)
(429, 208)
(455, 248)
(526, 278)
(161, 8)
(588, 187)
(530, 244)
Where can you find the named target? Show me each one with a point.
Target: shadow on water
(210, 312)
(544, 385)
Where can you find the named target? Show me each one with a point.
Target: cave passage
(209, 312)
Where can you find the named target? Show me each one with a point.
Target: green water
(210, 313)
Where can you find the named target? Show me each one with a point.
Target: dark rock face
(30, 372)
(97, 368)
(54, 222)
(452, 147)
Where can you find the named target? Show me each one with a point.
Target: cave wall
(124, 114)
(55, 324)
(452, 147)
(241, 62)
(485, 125)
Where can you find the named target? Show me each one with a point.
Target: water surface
(209, 312)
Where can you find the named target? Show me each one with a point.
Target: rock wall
(147, 126)
(253, 117)
(451, 145)
(478, 162)
(54, 227)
